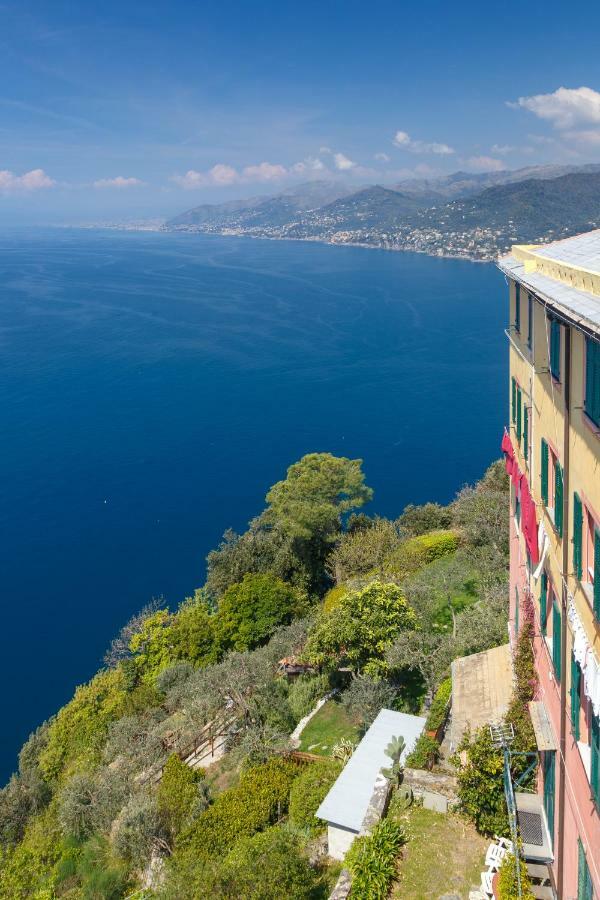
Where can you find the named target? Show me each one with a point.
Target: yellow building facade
(554, 431)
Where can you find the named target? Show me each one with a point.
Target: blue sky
(130, 109)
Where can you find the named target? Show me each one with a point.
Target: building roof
(481, 690)
(347, 802)
(581, 251)
(565, 274)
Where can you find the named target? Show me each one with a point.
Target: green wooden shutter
(592, 380)
(544, 472)
(596, 759)
(519, 414)
(585, 887)
(529, 321)
(556, 642)
(525, 432)
(514, 401)
(575, 697)
(517, 307)
(577, 536)
(597, 573)
(555, 348)
(558, 498)
(549, 779)
(543, 603)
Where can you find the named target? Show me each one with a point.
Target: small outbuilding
(347, 803)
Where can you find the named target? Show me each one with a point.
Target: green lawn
(324, 730)
(444, 855)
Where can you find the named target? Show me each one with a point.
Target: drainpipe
(564, 619)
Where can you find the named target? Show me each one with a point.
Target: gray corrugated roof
(581, 304)
(582, 250)
(348, 800)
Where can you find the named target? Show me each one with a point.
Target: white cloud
(484, 164)
(589, 137)
(308, 166)
(342, 163)
(503, 149)
(382, 157)
(119, 182)
(404, 141)
(264, 172)
(565, 108)
(34, 180)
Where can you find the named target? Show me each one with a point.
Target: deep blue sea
(153, 387)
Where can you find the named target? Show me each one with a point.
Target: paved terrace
(481, 690)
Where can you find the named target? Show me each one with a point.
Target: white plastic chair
(487, 880)
(495, 856)
(504, 842)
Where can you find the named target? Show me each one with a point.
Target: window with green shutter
(544, 472)
(558, 498)
(556, 642)
(596, 760)
(592, 380)
(514, 401)
(577, 536)
(575, 696)
(555, 348)
(585, 888)
(543, 603)
(519, 407)
(517, 307)
(549, 779)
(597, 573)
(529, 321)
(526, 433)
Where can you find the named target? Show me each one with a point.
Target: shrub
(439, 706)
(372, 860)
(360, 629)
(182, 794)
(417, 552)
(138, 830)
(267, 866)
(80, 728)
(363, 550)
(89, 803)
(507, 881)
(309, 790)
(480, 783)
(416, 520)
(261, 798)
(365, 697)
(334, 596)
(304, 692)
(425, 752)
(250, 611)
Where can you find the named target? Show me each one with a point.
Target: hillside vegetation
(103, 803)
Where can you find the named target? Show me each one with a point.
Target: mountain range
(469, 215)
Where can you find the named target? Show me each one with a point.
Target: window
(519, 413)
(526, 433)
(595, 779)
(548, 769)
(592, 380)
(517, 307)
(513, 405)
(585, 888)
(555, 348)
(577, 536)
(551, 475)
(529, 321)
(556, 641)
(575, 692)
(543, 604)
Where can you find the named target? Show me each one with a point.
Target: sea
(153, 386)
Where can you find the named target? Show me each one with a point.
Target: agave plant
(394, 750)
(343, 750)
